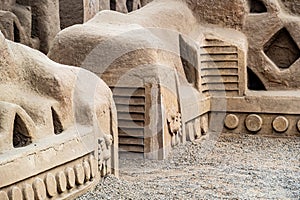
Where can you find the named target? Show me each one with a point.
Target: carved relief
(49, 119)
(174, 124)
(104, 152)
(263, 47)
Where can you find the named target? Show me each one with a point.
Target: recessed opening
(189, 61)
(282, 49)
(129, 5)
(189, 70)
(21, 137)
(70, 12)
(254, 83)
(257, 6)
(34, 16)
(113, 5)
(16, 34)
(34, 25)
(58, 128)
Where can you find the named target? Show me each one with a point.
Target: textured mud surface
(233, 167)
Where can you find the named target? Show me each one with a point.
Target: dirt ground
(228, 167)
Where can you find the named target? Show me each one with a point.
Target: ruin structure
(35, 23)
(58, 123)
(179, 68)
(58, 130)
(172, 71)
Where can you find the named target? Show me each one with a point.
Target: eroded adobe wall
(77, 11)
(144, 2)
(70, 12)
(274, 45)
(272, 28)
(45, 20)
(292, 6)
(33, 23)
(44, 109)
(229, 13)
(273, 52)
(15, 22)
(7, 4)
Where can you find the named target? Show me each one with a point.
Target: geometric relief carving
(282, 49)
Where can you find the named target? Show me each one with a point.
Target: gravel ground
(230, 167)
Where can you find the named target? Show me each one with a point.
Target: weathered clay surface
(168, 56)
(71, 12)
(210, 61)
(178, 69)
(13, 27)
(274, 45)
(33, 23)
(77, 12)
(229, 13)
(51, 119)
(292, 6)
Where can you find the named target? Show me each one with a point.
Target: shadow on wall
(79, 11)
(35, 23)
